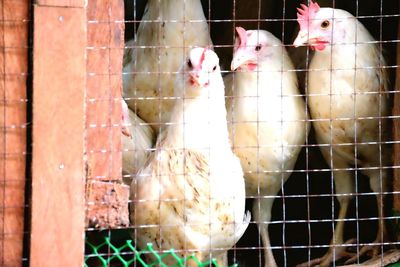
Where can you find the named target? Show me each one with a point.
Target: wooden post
(107, 197)
(396, 132)
(14, 19)
(58, 166)
(396, 112)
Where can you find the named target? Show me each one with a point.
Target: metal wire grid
(304, 214)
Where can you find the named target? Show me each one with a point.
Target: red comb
(306, 13)
(242, 36)
(203, 56)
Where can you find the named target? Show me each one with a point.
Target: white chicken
(267, 119)
(347, 101)
(190, 195)
(169, 28)
(137, 141)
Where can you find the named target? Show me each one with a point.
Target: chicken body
(165, 35)
(136, 146)
(346, 97)
(190, 196)
(267, 118)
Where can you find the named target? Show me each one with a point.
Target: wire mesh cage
(306, 213)
(200, 133)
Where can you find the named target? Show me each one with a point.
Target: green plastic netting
(127, 255)
(114, 248)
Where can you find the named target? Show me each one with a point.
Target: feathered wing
(262, 127)
(164, 37)
(359, 94)
(228, 81)
(128, 53)
(136, 148)
(229, 99)
(207, 220)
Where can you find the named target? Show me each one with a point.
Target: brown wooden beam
(58, 167)
(61, 3)
(107, 198)
(396, 132)
(13, 72)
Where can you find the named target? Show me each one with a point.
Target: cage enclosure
(200, 133)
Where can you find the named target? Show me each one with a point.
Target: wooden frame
(107, 198)
(76, 127)
(396, 130)
(58, 166)
(14, 71)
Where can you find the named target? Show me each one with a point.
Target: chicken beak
(198, 79)
(239, 59)
(301, 39)
(194, 79)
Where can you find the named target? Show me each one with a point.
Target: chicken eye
(215, 67)
(258, 47)
(189, 63)
(325, 24)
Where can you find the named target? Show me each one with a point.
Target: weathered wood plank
(107, 205)
(396, 124)
(61, 3)
(104, 92)
(58, 170)
(13, 73)
(104, 66)
(396, 131)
